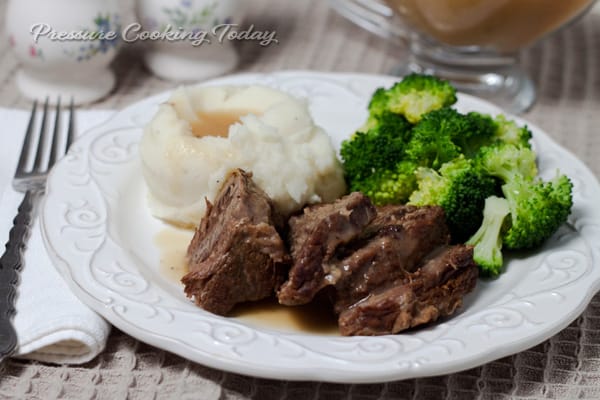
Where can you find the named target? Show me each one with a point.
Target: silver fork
(32, 170)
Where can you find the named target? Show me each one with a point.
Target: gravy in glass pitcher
(501, 25)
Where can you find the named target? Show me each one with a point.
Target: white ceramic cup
(183, 58)
(64, 47)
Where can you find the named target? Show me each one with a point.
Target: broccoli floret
(460, 189)
(507, 131)
(505, 161)
(479, 130)
(444, 134)
(486, 131)
(379, 148)
(482, 130)
(487, 241)
(393, 126)
(431, 143)
(388, 186)
(413, 96)
(537, 209)
(377, 106)
(372, 160)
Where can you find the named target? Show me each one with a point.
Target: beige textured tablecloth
(566, 69)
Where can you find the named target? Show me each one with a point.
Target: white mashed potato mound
(291, 158)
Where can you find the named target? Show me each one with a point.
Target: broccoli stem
(487, 252)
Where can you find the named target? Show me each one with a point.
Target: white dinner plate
(102, 239)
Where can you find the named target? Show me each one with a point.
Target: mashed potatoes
(202, 133)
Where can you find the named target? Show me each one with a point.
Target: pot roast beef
(362, 249)
(434, 290)
(314, 237)
(400, 237)
(236, 254)
(384, 271)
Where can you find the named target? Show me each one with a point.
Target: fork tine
(55, 136)
(71, 129)
(42, 141)
(27, 141)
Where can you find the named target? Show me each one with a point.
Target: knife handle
(11, 263)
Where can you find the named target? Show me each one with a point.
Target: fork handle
(11, 263)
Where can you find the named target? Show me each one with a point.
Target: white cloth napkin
(52, 324)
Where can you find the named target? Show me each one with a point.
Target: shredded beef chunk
(314, 237)
(434, 290)
(236, 254)
(393, 246)
(385, 269)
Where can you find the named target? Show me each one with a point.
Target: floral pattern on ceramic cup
(198, 22)
(186, 17)
(60, 48)
(102, 24)
(35, 52)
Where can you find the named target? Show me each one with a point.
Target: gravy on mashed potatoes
(202, 133)
(215, 123)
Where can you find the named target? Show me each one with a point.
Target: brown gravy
(215, 123)
(315, 318)
(172, 244)
(505, 25)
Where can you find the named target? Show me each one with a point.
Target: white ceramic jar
(64, 47)
(173, 52)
